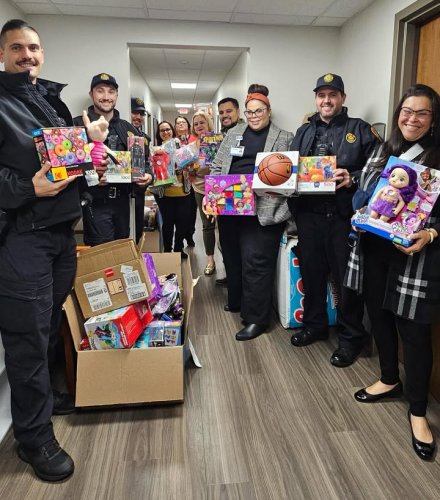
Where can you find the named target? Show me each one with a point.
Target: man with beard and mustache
(37, 250)
(324, 221)
(229, 113)
(107, 216)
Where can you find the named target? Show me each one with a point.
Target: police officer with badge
(107, 215)
(323, 221)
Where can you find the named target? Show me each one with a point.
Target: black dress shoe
(362, 396)
(50, 462)
(344, 356)
(424, 450)
(63, 404)
(251, 331)
(307, 336)
(230, 309)
(221, 281)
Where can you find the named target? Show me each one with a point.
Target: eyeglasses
(164, 130)
(421, 114)
(258, 112)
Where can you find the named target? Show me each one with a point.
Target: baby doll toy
(390, 200)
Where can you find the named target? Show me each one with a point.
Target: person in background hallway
(37, 250)
(402, 285)
(202, 124)
(107, 217)
(183, 133)
(323, 221)
(250, 244)
(173, 201)
(138, 113)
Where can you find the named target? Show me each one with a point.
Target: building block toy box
(110, 276)
(402, 201)
(314, 173)
(275, 173)
(289, 292)
(65, 148)
(131, 376)
(229, 195)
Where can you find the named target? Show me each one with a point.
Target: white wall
(286, 59)
(365, 50)
(7, 12)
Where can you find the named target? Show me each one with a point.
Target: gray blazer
(270, 209)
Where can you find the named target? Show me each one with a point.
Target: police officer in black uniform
(138, 113)
(323, 221)
(107, 216)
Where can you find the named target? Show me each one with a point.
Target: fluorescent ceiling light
(183, 85)
(183, 105)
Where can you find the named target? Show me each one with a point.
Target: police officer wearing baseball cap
(107, 216)
(323, 220)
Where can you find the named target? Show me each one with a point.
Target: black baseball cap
(104, 78)
(330, 80)
(137, 104)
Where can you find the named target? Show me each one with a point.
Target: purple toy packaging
(229, 195)
(156, 289)
(401, 202)
(66, 149)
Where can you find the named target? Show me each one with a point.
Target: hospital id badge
(237, 151)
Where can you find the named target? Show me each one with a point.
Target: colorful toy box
(66, 149)
(117, 329)
(119, 167)
(162, 163)
(276, 173)
(229, 195)
(156, 289)
(289, 292)
(136, 146)
(209, 146)
(160, 334)
(314, 173)
(402, 201)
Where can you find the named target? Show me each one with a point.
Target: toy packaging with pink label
(229, 195)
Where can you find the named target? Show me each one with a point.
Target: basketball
(275, 169)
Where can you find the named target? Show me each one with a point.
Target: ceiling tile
(38, 8)
(329, 21)
(346, 8)
(273, 19)
(187, 15)
(101, 3)
(75, 10)
(284, 7)
(194, 5)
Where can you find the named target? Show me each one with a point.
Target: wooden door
(428, 72)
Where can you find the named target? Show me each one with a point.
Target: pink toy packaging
(229, 195)
(136, 146)
(66, 149)
(315, 174)
(156, 289)
(401, 202)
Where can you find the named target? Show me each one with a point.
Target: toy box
(209, 146)
(66, 149)
(289, 292)
(229, 195)
(401, 202)
(136, 147)
(117, 329)
(156, 289)
(162, 164)
(119, 167)
(276, 173)
(160, 334)
(314, 173)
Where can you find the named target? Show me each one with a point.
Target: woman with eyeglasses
(173, 201)
(250, 244)
(401, 285)
(183, 132)
(202, 124)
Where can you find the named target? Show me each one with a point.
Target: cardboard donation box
(289, 292)
(275, 173)
(129, 376)
(110, 276)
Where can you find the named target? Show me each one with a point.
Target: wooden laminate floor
(261, 420)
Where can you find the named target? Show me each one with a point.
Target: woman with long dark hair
(402, 285)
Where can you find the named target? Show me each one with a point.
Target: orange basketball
(275, 169)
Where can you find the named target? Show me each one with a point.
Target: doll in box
(390, 200)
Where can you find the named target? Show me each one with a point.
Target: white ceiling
(208, 68)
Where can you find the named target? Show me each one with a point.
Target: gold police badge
(328, 78)
(350, 138)
(104, 76)
(139, 101)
